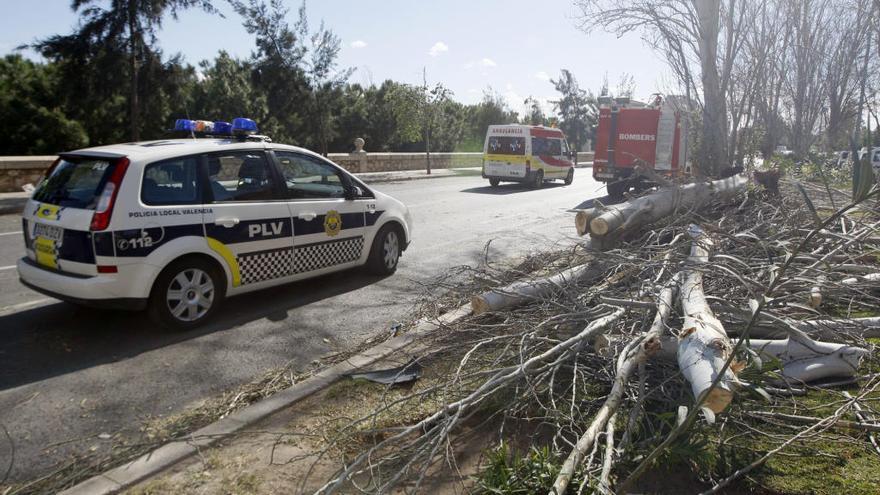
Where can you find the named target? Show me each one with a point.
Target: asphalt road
(69, 374)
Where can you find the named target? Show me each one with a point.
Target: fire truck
(630, 134)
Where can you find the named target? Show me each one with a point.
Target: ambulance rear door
(505, 154)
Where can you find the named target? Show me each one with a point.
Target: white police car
(175, 226)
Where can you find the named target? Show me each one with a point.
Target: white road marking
(9, 233)
(15, 308)
(10, 267)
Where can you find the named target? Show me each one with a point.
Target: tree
(227, 90)
(535, 114)
(32, 118)
(686, 33)
(576, 109)
(127, 26)
(296, 69)
(418, 110)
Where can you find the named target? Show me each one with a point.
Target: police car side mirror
(353, 192)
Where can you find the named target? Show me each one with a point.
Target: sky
(509, 47)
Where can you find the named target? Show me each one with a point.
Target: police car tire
(376, 263)
(538, 180)
(494, 182)
(158, 308)
(570, 177)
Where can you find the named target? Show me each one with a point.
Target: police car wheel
(385, 252)
(186, 294)
(570, 177)
(494, 182)
(539, 180)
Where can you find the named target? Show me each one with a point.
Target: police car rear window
(506, 145)
(75, 183)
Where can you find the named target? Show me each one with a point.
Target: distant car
(874, 158)
(781, 150)
(176, 225)
(526, 153)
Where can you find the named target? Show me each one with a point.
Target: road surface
(69, 374)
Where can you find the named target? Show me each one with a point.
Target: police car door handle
(307, 216)
(226, 222)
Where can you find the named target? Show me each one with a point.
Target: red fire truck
(631, 133)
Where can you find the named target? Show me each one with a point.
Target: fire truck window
(506, 145)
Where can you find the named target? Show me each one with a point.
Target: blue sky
(512, 46)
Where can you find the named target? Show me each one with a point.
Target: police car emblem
(332, 223)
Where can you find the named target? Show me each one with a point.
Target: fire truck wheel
(494, 182)
(617, 188)
(570, 177)
(538, 180)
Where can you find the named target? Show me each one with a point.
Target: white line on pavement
(10, 267)
(9, 233)
(15, 308)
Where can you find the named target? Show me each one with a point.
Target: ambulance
(174, 226)
(526, 153)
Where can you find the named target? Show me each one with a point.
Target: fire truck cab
(630, 133)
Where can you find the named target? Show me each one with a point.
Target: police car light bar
(222, 128)
(243, 126)
(184, 125)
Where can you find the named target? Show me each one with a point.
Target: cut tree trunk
(703, 344)
(664, 202)
(525, 291)
(808, 361)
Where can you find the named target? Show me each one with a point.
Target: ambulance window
(307, 177)
(240, 176)
(506, 145)
(171, 182)
(555, 147)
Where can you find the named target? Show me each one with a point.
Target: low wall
(16, 171)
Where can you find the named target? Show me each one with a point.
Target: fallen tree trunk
(808, 361)
(703, 344)
(525, 291)
(583, 218)
(652, 207)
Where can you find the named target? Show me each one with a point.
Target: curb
(392, 178)
(12, 205)
(152, 463)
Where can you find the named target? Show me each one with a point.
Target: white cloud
(488, 62)
(542, 76)
(359, 44)
(438, 48)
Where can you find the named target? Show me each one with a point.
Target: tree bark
(713, 143)
(525, 291)
(659, 204)
(703, 344)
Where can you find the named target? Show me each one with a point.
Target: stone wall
(16, 171)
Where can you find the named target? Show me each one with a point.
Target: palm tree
(130, 25)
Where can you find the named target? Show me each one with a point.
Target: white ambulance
(526, 153)
(176, 225)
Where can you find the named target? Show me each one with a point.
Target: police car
(176, 225)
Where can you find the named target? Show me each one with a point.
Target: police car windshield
(74, 183)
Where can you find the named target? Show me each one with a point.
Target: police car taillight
(101, 217)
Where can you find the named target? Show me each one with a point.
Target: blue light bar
(222, 128)
(184, 125)
(242, 125)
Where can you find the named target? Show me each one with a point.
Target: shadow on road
(61, 338)
(594, 202)
(510, 188)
